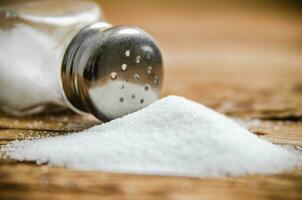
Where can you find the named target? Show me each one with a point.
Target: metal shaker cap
(111, 71)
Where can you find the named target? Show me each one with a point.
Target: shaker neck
(70, 88)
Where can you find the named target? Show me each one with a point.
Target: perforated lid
(112, 71)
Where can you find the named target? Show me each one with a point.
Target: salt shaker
(62, 54)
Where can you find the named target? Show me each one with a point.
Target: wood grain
(241, 61)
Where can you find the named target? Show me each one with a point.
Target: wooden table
(244, 61)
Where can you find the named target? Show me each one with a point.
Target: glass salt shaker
(62, 54)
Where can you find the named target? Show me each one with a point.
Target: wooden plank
(37, 181)
(278, 132)
(65, 122)
(30, 179)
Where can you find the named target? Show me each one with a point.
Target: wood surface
(244, 61)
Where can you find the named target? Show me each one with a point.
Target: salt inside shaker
(62, 54)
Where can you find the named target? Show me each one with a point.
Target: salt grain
(173, 136)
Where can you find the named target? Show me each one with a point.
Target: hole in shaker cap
(124, 67)
(149, 69)
(136, 77)
(155, 79)
(127, 53)
(138, 59)
(113, 75)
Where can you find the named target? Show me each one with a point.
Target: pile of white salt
(173, 136)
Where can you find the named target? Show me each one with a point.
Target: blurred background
(213, 35)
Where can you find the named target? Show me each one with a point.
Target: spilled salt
(173, 136)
